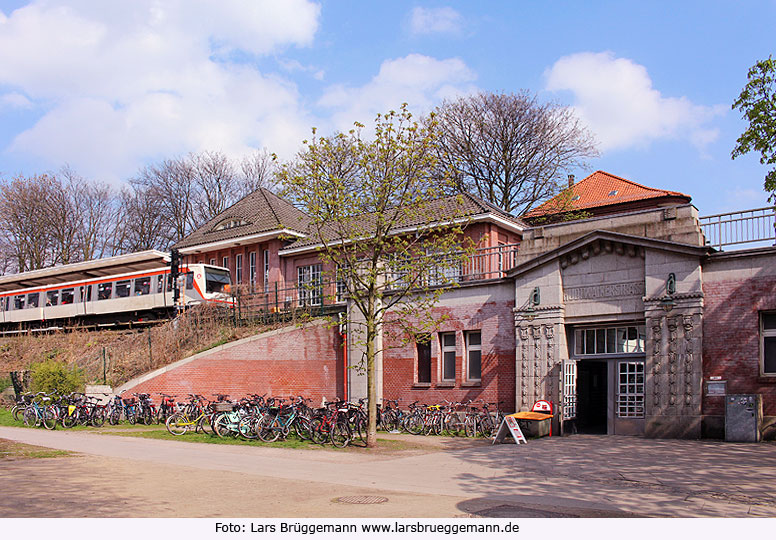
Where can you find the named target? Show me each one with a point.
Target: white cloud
(123, 82)
(14, 100)
(420, 81)
(616, 99)
(444, 20)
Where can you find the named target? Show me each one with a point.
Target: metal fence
(743, 227)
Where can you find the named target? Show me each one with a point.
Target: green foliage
(49, 375)
(757, 102)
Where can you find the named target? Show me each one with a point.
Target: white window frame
(238, 267)
(569, 390)
(770, 333)
(252, 267)
(631, 396)
(442, 356)
(310, 284)
(212, 262)
(266, 270)
(225, 262)
(469, 349)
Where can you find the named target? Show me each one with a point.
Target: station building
(625, 317)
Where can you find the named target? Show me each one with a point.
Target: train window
(189, 281)
(52, 298)
(123, 288)
(33, 300)
(142, 286)
(68, 296)
(18, 302)
(89, 293)
(215, 280)
(104, 291)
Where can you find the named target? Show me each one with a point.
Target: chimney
(571, 180)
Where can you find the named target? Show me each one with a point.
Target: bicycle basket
(223, 407)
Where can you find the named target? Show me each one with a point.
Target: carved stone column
(539, 338)
(674, 367)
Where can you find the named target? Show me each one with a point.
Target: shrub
(49, 375)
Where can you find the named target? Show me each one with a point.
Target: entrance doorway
(592, 396)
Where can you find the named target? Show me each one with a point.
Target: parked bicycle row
(258, 417)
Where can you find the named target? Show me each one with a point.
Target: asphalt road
(574, 476)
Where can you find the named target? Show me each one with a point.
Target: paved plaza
(573, 476)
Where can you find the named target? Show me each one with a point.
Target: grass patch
(15, 450)
(163, 434)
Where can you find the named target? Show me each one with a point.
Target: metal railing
(324, 296)
(743, 227)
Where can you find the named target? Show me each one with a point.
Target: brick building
(622, 318)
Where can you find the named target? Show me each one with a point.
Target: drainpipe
(344, 336)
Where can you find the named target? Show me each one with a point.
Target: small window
(33, 300)
(448, 356)
(575, 198)
(768, 343)
(630, 389)
(424, 358)
(189, 281)
(68, 296)
(143, 286)
(473, 356)
(123, 288)
(613, 193)
(238, 267)
(160, 284)
(252, 267)
(225, 262)
(212, 262)
(19, 301)
(52, 298)
(104, 291)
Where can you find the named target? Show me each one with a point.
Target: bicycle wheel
(221, 425)
(204, 425)
(358, 429)
(268, 429)
(318, 431)
(30, 417)
(303, 428)
(414, 424)
(177, 424)
(98, 417)
(247, 427)
(487, 426)
(131, 416)
(18, 413)
(470, 426)
(115, 417)
(340, 434)
(390, 421)
(50, 418)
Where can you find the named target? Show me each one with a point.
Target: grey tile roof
(262, 211)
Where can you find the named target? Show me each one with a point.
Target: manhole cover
(362, 499)
(509, 511)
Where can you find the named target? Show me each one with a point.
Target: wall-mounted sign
(716, 388)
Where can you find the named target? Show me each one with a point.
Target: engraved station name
(612, 290)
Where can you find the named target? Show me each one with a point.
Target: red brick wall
(495, 321)
(297, 361)
(733, 298)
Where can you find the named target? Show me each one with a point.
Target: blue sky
(107, 87)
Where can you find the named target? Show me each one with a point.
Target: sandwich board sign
(509, 425)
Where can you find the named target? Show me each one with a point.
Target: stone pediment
(598, 242)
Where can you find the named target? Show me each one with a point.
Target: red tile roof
(598, 190)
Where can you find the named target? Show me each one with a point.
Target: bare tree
(259, 170)
(510, 149)
(142, 225)
(24, 221)
(169, 189)
(216, 183)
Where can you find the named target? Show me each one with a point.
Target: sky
(108, 87)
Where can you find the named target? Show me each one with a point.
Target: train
(132, 288)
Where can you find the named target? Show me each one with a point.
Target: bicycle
(180, 422)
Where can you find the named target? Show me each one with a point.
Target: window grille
(310, 285)
(569, 390)
(630, 389)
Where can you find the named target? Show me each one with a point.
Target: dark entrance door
(592, 396)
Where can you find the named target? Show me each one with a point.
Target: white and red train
(128, 288)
